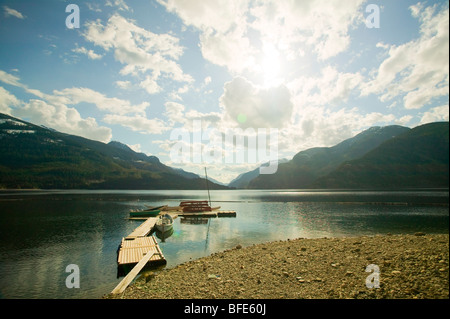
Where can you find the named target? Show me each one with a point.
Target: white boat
(164, 223)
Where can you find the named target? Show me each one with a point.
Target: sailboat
(198, 206)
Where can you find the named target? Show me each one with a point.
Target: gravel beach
(406, 266)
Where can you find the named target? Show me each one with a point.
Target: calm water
(41, 232)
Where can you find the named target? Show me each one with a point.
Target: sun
(270, 65)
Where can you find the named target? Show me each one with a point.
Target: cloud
(64, 119)
(247, 105)
(439, 113)
(139, 50)
(10, 79)
(419, 68)
(150, 85)
(177, 116)
(114, 105)
(319, 25)
(120, 4)
(90, 53)
(330, 87)
(232, 31)
(319, 126)
(13, 13)
(138, 123)
(125, 85)
(7, 100)
(51, 109)
(175, 112)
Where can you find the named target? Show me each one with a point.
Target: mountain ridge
(33, 156)
(308, 165)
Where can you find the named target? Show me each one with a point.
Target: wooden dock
(144, 229)
(139, 245)
(139, 250)
(133, 249)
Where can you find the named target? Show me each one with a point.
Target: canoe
(145, 213)
(195, 206)
(156, 207)
(164, 223)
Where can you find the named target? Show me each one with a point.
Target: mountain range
(33, 156)
(377, 158)
(389, 157)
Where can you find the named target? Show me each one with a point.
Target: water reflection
(164, 235)
(43, 232)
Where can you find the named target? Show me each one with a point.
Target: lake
(42, 232)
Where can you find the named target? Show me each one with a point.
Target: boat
(171, 208)
(162, 207)
(164, 223)
(195, 206)
(144, 213)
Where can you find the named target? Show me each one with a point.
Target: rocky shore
(402, 266)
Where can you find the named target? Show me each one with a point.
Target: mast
(207, 187)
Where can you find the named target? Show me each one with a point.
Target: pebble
(419, 234)
(427, 267)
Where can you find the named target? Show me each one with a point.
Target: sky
(224, 84)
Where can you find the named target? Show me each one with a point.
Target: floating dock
(220, 213)
(144, 229)
(138, 250)
(132, 250)
(137, 246)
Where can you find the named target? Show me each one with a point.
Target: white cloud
(331, 87)
(90, 53)
(177, 116)
(135, 147)
(419, 68)
(125, 85)
(207, 80)
(52, 110)
(84, 95)
(13, 13)
(93, 7)
(10, 79)
(64, 119)
(138, 123)
(139, 50)
(247, 105)
(6, 101)
(150, 85)
(175, 112)
(439, 113)
(232, 30)
(319, 126)
(120, 4)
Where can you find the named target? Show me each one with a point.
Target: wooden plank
(144, 229)
(132, 274)
(132, 250)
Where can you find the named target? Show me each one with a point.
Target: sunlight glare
(271, 65)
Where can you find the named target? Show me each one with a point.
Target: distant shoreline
(410, 267)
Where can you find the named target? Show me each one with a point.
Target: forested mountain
(33, 156)
(378, 158)
(416, 159)
(306, 166)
